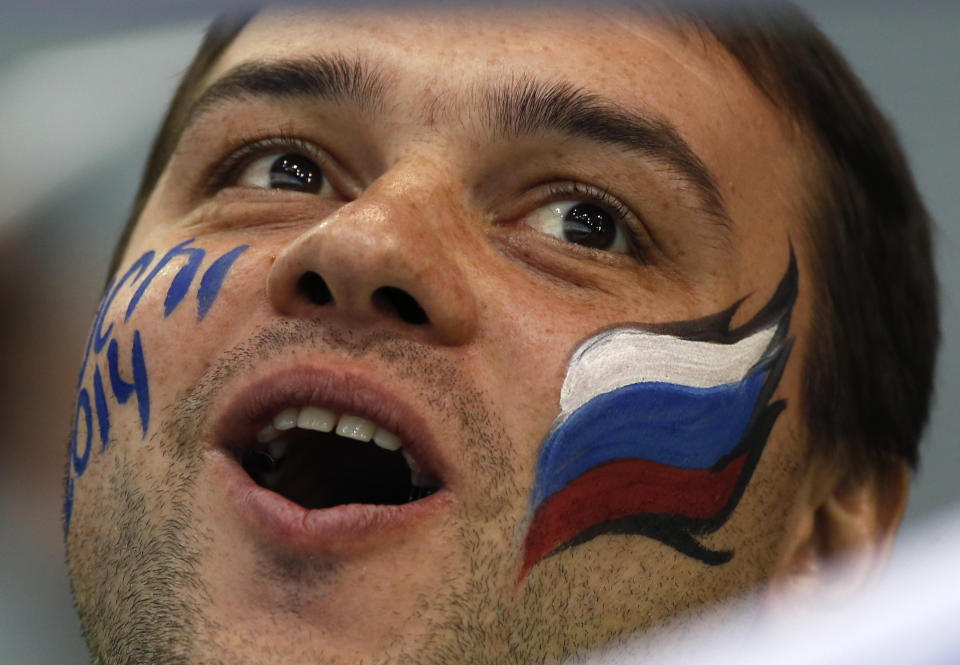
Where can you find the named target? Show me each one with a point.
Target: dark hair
(868, 374)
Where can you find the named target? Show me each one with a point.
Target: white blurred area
(907, 618)
(77, 115)
(71, 109)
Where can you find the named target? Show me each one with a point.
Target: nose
(376, 264)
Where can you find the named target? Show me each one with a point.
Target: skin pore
(442, 149)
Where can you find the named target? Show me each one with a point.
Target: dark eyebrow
(528, 106)
(331, 78)
(519, 107)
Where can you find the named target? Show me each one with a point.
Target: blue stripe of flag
(672, 424)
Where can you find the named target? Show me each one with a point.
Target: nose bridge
(381, 260)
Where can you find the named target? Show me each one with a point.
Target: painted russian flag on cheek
(659, 433)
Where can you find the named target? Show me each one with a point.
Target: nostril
(314, 288)
(393, 300)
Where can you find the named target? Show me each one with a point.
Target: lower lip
(340, 529)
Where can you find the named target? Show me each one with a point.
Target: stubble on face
(139, 563)
(134, 564)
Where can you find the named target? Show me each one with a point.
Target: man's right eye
(289, 170)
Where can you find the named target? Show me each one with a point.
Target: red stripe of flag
(623, 487)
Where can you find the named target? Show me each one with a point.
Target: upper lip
(336, 386)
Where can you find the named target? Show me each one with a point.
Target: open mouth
(318, 458)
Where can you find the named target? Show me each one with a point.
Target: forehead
(627, 56)
(471, 40)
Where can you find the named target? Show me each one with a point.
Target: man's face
(423, 241)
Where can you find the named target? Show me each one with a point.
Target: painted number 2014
(111, 381)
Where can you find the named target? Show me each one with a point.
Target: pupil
(295, 172)
(588, 225)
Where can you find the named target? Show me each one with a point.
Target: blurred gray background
(82, 89)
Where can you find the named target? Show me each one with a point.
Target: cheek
(660, 432)
(146, 323)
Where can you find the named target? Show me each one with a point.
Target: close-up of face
(452, 337)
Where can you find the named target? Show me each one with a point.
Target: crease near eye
(582, 223)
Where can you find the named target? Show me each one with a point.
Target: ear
(844, 537)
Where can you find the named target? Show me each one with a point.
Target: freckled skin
(430, 204)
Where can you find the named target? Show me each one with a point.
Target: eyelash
(625, 218)
(226, 171)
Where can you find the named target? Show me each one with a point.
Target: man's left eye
(285, 171)
(582, 223)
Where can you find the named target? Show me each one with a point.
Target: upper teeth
(324, 420)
